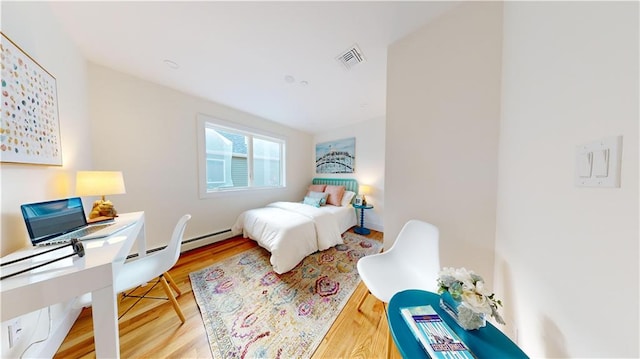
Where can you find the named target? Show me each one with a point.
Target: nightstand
(362, 230)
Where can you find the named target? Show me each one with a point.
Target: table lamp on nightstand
(364, 190)
(100, 183)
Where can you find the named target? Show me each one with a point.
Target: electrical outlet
(15, 332)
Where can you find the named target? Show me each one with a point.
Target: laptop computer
(55, 222)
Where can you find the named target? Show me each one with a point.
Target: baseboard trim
(375, 226)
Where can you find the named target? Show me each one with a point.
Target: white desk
(63, 280)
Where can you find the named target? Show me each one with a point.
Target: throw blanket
(289, 231)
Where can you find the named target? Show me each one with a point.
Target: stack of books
(433, 334)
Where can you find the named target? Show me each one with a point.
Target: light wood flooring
(152, 328)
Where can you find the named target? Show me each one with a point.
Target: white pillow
(346, 198)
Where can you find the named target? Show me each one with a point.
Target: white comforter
(290, 231)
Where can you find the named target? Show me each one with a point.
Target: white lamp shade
(99, 183)
(364, 189)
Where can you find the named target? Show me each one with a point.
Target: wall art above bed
(336, 156)
(29, 125)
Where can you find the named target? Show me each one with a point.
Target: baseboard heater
(206, 236)
(185, 241)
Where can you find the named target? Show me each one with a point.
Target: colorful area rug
(249, 311)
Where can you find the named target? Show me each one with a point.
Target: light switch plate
(602, 158)
(15, 332)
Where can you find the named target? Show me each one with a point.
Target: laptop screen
(46, 220)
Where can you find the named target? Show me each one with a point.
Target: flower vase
(466, 318)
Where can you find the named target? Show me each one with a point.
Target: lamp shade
(364, 189)
(99, 183)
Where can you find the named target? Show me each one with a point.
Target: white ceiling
(239, 53)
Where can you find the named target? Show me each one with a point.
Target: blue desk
(487, 342)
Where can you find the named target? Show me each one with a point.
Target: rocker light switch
(601, 163)
(584, 164)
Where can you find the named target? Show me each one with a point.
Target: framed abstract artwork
(29, 123)
(336, 156)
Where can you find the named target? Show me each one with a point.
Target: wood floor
(152, 328)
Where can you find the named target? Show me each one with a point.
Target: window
(237, 158)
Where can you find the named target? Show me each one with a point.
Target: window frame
(204, 122)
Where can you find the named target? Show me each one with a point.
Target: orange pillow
(335, 194)
(317, 188)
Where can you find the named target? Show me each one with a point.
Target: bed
(290, 231)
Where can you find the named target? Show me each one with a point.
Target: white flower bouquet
(468, 289)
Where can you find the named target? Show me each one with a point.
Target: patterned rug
(249, 311)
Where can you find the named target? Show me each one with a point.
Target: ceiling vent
(352, 57)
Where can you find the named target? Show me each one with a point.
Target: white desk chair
(412, 262)
(140, 271)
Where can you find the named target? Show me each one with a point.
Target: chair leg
(389, 344)
(172, 283)
(362, 300)
(173, 300)
(389, 340)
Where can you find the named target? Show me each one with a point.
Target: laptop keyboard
(77, 234)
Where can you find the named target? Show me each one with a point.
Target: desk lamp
(100, 183)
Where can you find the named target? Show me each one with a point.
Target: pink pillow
(335, 194)
(317, 188)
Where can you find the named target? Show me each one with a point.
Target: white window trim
(202, 121)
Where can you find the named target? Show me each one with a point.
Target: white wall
(146, 130)
(567, 257)
(369, 167)
(149, 131)
(443, 109)
(33, 28)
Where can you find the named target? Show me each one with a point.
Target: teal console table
(485, 343)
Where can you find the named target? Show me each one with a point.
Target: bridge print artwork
(336, 156)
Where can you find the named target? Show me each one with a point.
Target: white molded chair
(156, 265)
(412, 262)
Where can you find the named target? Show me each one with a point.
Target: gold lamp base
(102, 208)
